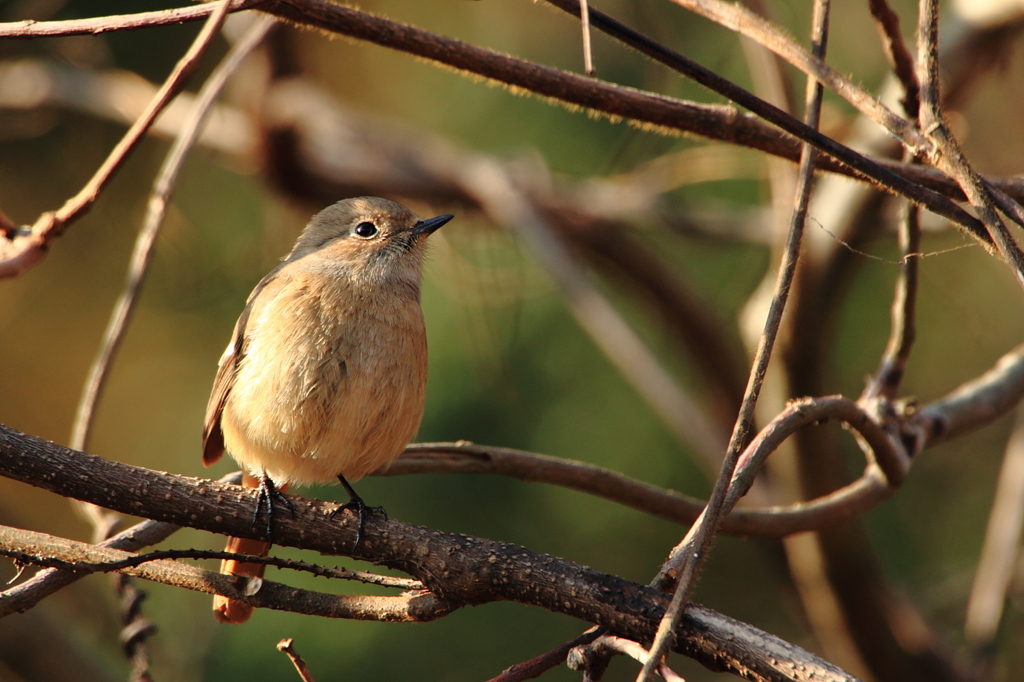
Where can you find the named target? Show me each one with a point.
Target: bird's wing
(213, 437)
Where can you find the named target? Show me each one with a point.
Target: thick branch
(457, 568)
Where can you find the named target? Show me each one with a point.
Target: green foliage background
(508, 366)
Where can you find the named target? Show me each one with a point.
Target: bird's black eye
(365, 230)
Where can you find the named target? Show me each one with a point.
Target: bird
(325, 374)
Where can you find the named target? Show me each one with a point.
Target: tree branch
(23, 251)
(123, 22)
(48, 550)
(459, 569)
(898, 54)
(741, 20)
(867, 169)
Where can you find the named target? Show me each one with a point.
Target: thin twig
(882, 449)
(1001, 547)
(898, 54)
(286, 645)
(683, 565)
(27, 250)
(29, 28)
(537, 666)
(588, 56)
(886, 382)
(583, 658)
(277, 562)
(1007, 204)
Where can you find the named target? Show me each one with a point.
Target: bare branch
(837, 507)
(459, 568)
(1012, 208)
(887, 379)
(535, 667)
(588, 57)
(737, 18)
(896, 51)
(584, 657)
(883, 450)
(286, 645)
(976, 402)
(26, 250)
(864, 167)
(48, 550)
(130, 22)
(29, 593)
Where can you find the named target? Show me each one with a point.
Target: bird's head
(372, 239)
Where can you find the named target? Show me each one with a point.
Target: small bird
(324, 377)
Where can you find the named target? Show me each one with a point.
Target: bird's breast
(332, 382)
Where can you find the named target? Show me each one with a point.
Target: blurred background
(509, 363)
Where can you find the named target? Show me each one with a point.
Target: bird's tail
(225, 609)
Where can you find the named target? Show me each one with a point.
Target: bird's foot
(356, 505)
(265, 495)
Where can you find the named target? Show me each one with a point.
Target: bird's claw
(265, 495)
(356, 505)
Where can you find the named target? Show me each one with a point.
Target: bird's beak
(428, 226)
